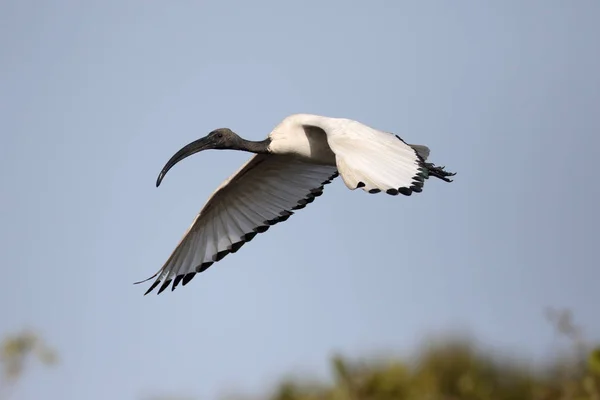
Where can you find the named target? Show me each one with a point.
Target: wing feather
(262, 193)
(374, 160)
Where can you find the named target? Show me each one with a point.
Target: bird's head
(223, 138)
(219, 139)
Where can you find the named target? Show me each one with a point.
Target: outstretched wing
(374, 160)
(264, 192)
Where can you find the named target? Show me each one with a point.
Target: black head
(223, 138)
(219, 139)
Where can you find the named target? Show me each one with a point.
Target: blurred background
(485, 288)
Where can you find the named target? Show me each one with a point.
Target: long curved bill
(196, 146)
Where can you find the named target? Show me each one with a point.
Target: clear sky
(96, 96)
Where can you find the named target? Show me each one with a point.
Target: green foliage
(451, 371)
(448, 370)
(455, 370)
(15, 351)
(594, 361)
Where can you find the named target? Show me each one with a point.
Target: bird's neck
(261, 147)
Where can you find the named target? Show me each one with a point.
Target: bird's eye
(219, 135)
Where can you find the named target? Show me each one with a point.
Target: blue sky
(96, 96)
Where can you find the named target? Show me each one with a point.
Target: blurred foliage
(15, 351)
(453, 369)
(456, 370)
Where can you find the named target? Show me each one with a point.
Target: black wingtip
(164, 286)
(187, 278)
(155, 284)
(176, 281)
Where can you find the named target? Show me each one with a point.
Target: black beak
(196, 146)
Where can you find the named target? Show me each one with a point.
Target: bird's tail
(438, 172)
(432, 169)
(421, 150)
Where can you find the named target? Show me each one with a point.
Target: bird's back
(296, 136)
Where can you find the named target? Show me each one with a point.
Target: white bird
(289, 169)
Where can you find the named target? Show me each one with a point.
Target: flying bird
(289, 170)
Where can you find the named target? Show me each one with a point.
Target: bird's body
(301, 155)
(295, 137)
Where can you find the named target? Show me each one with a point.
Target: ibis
(289, 169)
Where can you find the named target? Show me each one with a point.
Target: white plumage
(290, 168)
